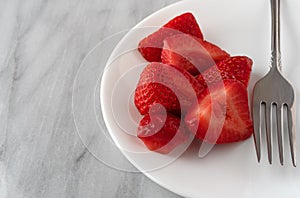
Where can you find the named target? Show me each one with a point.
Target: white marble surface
(42, 44)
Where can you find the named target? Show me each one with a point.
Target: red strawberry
(238, 68)
(161, 133)
(151, 46)
(191, 53)
(215, 52)
(171, 87)
(221, 114)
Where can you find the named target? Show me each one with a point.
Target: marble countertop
(42, 44)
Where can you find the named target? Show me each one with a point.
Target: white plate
(240, 27)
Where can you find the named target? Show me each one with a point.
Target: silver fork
(272, 92)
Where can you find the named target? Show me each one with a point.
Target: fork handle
(275, 47)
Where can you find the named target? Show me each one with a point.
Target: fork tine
(268, 130)
(279, 132)
(257, 130)
(291, 135)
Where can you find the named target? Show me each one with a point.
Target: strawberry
(161, 133)
(238, 68)
(171, 87)
(216, 53)
(221, 114)
(151, 46)
(191, 53)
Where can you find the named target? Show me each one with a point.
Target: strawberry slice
(215, 52)
(168, 86)
(221, 115)
(191, 53)
(161, 133)
(151, 46)
(238, 68)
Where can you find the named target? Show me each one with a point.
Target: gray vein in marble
(81, 156)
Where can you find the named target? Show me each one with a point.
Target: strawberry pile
(190, 79)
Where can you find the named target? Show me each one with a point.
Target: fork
(274, 92)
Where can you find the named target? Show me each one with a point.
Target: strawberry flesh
(151, 46)
(191, 53)
(161, 133)
(235, 68)
(173, 88)
(221, 114)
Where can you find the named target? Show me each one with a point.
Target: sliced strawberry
(221, 114)
(161, 133)
(238, 68)
(151, 46)
(171, 87)
(191, 53)
(185, 23)
(215, 52)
